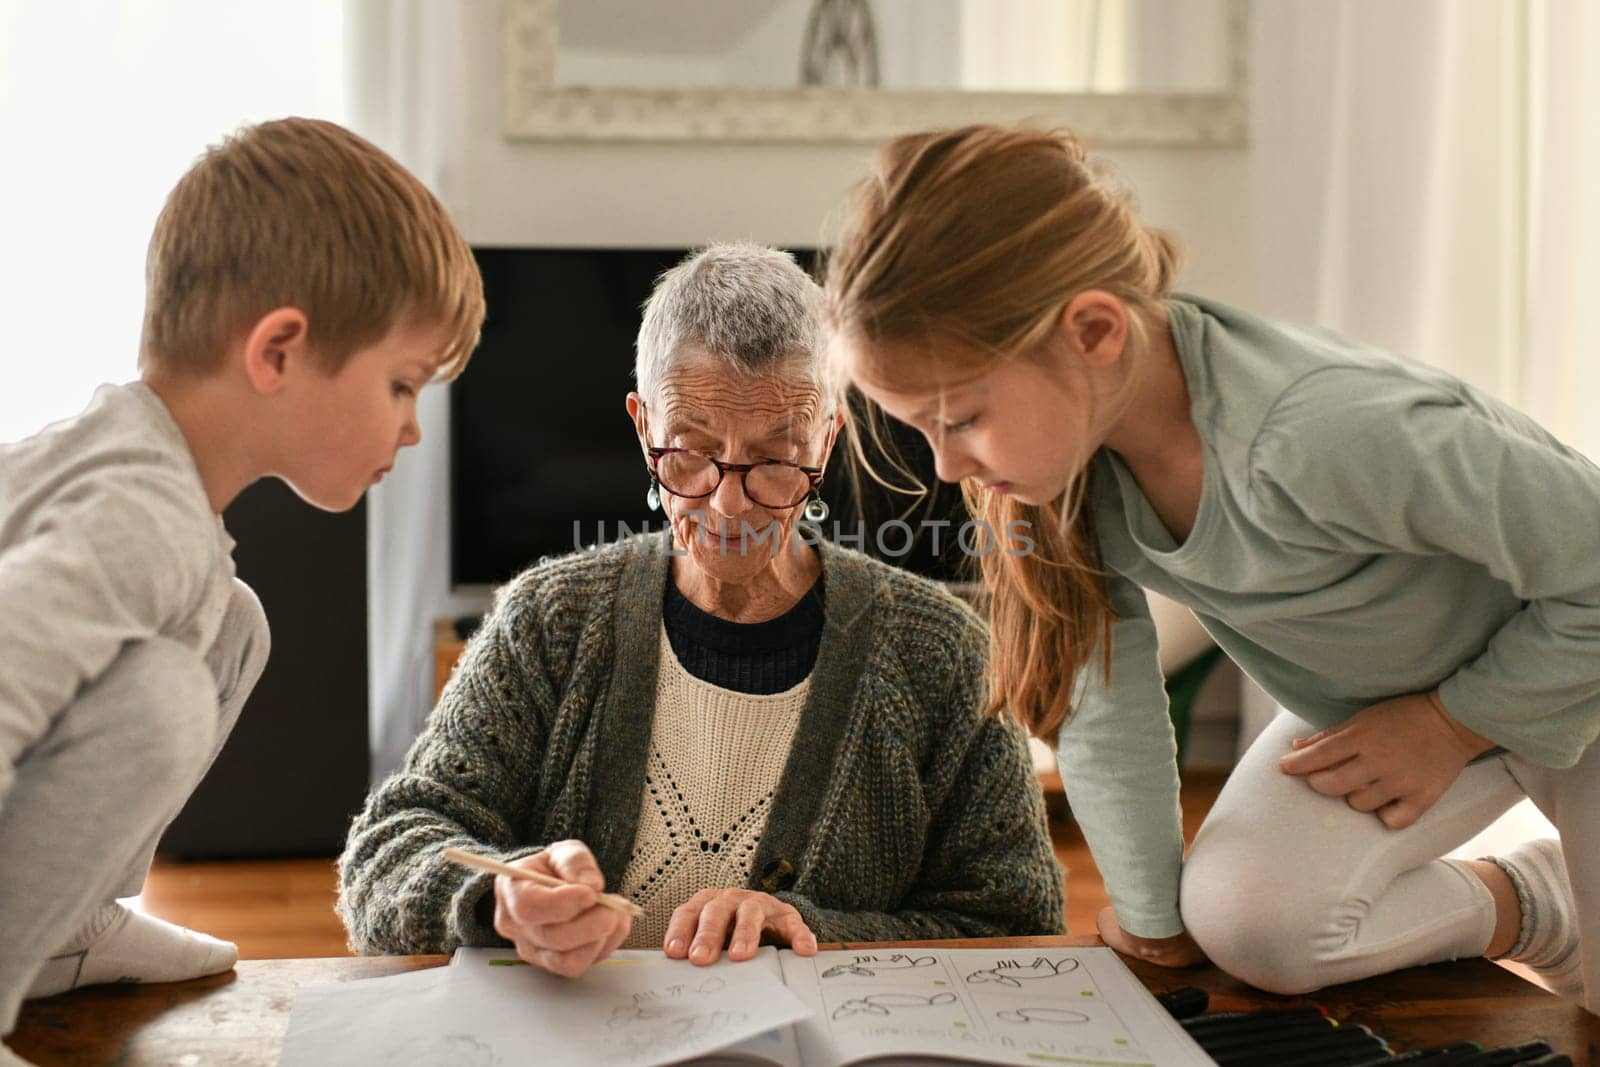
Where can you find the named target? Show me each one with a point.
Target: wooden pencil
(614, 901)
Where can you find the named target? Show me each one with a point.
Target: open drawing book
(1027, 1007)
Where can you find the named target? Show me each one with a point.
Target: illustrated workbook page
(489, 1009)
(1026, 1007)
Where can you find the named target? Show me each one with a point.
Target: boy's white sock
(1547, 942)
(119, 945)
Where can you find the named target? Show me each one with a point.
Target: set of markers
(1307, 1037)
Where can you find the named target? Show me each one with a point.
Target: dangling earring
(652, 496)
(816, 508)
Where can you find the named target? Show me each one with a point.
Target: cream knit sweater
(715, 759)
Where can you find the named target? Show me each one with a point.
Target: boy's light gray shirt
(106, 537)
(1368, 527)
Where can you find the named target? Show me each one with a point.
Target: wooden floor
(277, 909)
(273, 909)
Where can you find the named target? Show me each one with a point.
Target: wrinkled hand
(738, 918)
(1178, 951)
(561, 930)
(1395, 758)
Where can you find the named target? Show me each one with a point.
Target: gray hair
(746, 304)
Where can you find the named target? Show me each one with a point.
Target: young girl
(1408, 566)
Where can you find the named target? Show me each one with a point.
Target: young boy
(302, 289)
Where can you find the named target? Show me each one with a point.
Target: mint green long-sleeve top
(1368, 527)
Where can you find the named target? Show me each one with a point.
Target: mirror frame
(533, 108)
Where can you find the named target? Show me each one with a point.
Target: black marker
(1447, 1059)
(1200, 1023)
(1335, 1057)
(1332, 1057)
(1345, 1045)
(1246, 1034)
(1500, 1057)
(1555, 1059)
(1261, 1024)
(1186, 1002)
(1460, 1048)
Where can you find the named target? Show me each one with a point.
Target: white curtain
(1559, 377)
(1424, 177)
(1386, 158)
(103, 105)
(407, 66)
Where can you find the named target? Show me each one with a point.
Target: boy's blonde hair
(303, 213)
(961, 250)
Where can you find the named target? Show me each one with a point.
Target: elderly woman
(752, 737)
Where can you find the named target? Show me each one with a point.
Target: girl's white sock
(1547, 942)
(119, 945)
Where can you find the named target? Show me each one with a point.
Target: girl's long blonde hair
(966, 245)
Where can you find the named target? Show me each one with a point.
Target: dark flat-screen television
(543, 457)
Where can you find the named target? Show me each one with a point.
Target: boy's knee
(157, 702)
(243, 642)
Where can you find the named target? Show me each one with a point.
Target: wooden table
(240, 1019)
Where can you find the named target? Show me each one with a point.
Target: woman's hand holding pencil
(551, 907)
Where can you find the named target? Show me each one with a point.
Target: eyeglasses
(772, 483)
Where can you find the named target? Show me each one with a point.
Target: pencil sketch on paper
(1054, 1016)
(656, 1004)
(654, 1035)
(1014, 972)
(451, 1050)
(890, 1003)
(872, 966)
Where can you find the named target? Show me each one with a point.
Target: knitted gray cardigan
(901, 813)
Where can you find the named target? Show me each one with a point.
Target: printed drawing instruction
(1018, 1006)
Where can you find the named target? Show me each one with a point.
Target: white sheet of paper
(778, 1046)
(488, 1008)
(353, 1023)
(1011, 1006)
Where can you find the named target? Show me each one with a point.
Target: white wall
(672, 195)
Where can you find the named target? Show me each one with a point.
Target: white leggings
(1290, 890)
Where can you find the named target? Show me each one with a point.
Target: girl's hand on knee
(1179, 951)
(1395, 758)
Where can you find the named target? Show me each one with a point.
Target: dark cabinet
(295, 768)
